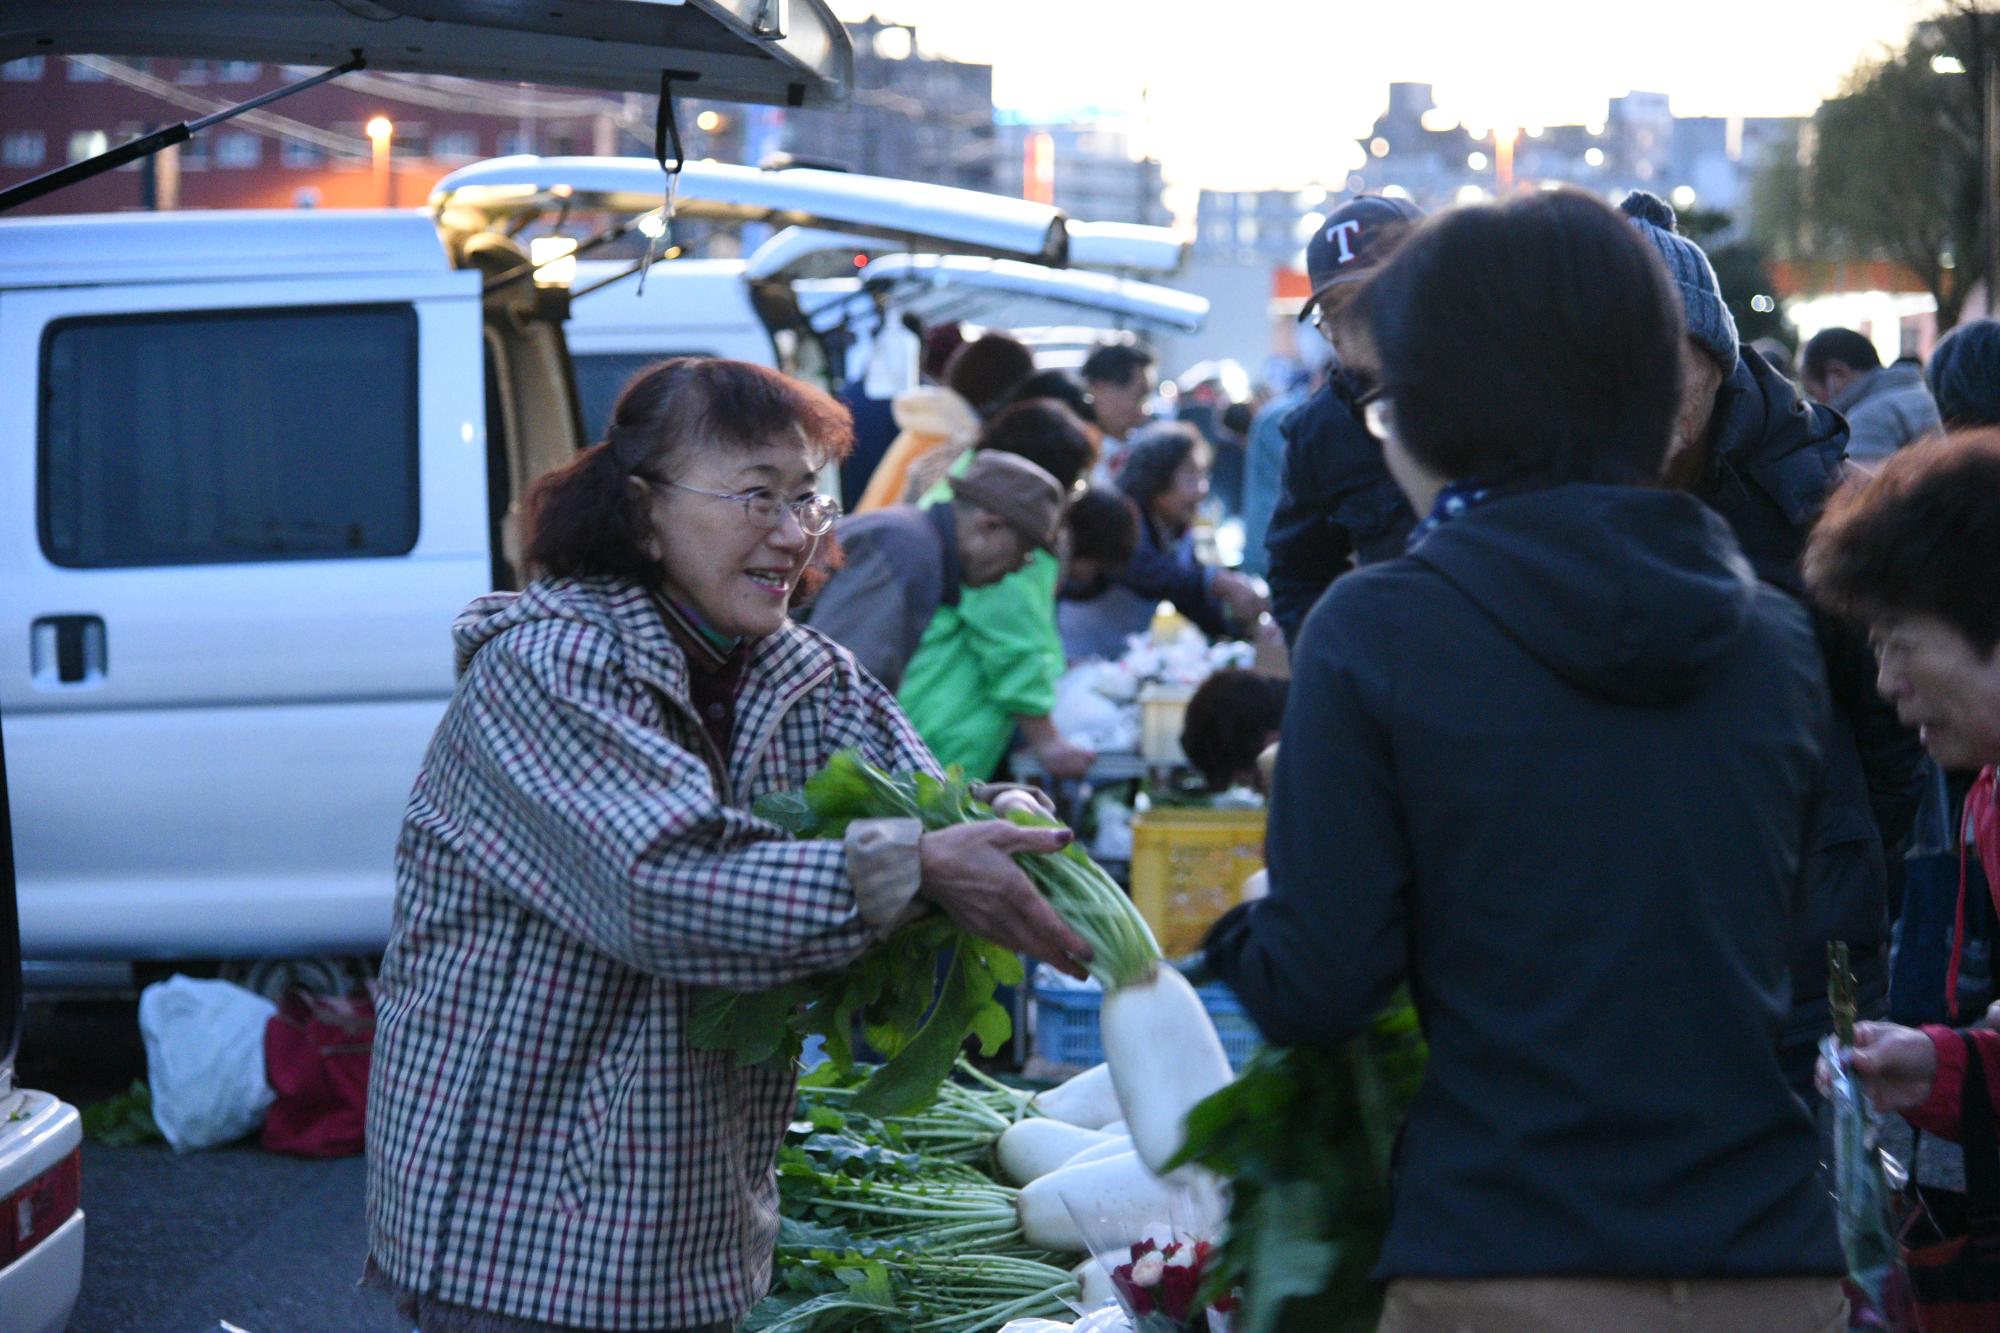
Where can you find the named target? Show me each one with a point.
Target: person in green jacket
(990, 664)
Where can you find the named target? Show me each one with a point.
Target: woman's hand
(1058, 758)
(969, 872)
(1062, 759)
(1894, 1065)
(1240, 596)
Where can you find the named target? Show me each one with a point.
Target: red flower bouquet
(1157, 1286)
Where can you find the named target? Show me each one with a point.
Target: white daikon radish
(1114, 1145)
(1029, 1149)
(1116, 1197)
(1116, 1127)
(1094, 1280)
(1165, 1056)
(1086, 1100)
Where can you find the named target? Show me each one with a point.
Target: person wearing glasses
(1751, 448)
(1165, 478)
(1553, 770)
(547, 1147)
(1336, 506)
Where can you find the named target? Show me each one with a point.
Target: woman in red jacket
(1915, 553)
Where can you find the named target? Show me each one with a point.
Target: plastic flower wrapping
(1864, 1179)
(1157, 1279)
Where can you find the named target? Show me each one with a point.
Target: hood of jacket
(1882, 382)
(1765, 430)
(613, 605)
(1636, 596)
(932, 409)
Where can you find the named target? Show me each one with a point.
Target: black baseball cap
(1340, 250)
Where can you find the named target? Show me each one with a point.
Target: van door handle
(68, 652)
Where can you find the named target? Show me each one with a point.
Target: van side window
(203, 437)
(602, 376)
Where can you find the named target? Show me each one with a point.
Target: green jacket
(993, 657)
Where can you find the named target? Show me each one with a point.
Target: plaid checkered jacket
(543, 1142)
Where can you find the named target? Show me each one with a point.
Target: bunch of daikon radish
(1092, 1165)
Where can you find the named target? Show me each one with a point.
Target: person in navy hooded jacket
(1554, 769)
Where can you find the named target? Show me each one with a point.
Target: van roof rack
(919, 214)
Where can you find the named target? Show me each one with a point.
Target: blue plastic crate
(1066, 1025)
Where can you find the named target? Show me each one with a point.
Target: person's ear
(640, 496)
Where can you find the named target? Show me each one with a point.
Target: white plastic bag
(1088, 715)
(205, 1060)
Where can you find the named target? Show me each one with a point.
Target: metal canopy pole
(148, 144)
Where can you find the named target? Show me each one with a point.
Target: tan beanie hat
(1024, 496)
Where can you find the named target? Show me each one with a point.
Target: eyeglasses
(764, 510)
(1377, 414)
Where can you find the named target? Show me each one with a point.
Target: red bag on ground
(316, 1053)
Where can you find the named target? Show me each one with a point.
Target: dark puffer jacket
(1556, 768)
(1773, 460)
(1336, 503)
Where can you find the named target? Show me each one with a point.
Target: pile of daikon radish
(1092, 1165)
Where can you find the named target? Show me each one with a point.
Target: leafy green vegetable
(879, 1235)
(125, 1120)
(1305, 1138)
(960, 1126)
(892, 992)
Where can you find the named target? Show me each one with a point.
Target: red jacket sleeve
(1940, 1114)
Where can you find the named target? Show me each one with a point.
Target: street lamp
(381, 134)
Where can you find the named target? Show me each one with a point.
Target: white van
(255, 464)
(243, 455)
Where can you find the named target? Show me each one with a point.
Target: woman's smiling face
(1941, 685)
(736, 576)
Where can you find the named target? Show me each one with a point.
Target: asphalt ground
(184, 1242)
(255, 1241)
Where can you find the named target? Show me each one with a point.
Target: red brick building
(309, 150)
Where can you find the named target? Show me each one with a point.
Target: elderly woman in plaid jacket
(546, 1148)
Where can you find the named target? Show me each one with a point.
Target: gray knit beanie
(1709, 322)
(1964, 375)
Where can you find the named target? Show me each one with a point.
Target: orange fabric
(892, 475)
(926, 417)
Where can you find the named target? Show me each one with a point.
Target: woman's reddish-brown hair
(582, 519)
(1921, 537)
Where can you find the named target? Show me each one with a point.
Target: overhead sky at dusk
(1248, 94)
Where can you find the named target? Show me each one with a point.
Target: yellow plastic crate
(1188, 868)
